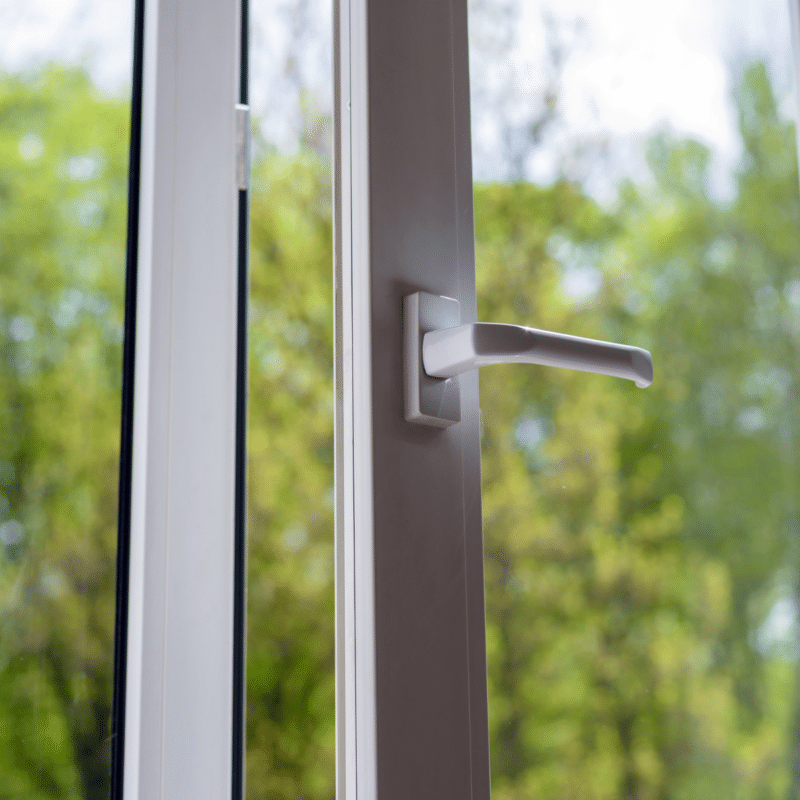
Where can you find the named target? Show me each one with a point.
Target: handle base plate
(428, 401)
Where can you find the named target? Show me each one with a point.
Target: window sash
(411, 660)
(179, 670)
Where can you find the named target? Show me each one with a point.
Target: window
(630, 579)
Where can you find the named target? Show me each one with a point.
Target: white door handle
(438, 349)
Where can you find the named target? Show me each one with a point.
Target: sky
(629, 66)
(96, 33)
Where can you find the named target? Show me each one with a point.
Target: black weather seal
(126, 422)
(240, 488)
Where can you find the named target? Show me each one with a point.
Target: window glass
(636, 181)
(64, 131)
(290, 639)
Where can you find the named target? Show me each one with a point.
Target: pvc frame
(411, 645)
(179, 682)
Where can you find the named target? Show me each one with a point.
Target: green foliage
(636, 541)
(290, 656)
(62, 229)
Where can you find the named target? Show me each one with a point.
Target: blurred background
(635, 180)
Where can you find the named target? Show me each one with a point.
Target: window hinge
(243, 146)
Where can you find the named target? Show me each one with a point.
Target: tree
(62, 228)
(637, 542)
(290, 654)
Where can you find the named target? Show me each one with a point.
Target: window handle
(439, 349)
(450, 352)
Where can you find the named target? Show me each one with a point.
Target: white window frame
(412, 716)
(411, 653)
(411, 661)
(179, 718)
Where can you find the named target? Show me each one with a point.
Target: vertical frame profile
(124, 509)
(411, 651)
(186, 548)
(356, 766)
(239, 700)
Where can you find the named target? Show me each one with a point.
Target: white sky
(633, 66)
(95, 32)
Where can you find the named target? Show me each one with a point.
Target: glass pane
(636, 181)
(64, 128)
(290, 638)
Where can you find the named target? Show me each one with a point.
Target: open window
(612, 606)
